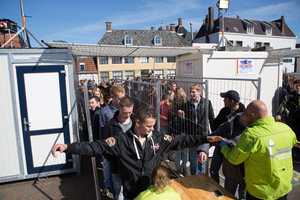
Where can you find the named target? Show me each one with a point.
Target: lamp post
(222, 5)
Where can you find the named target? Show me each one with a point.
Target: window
(103, 60)
(116, 60)
(267, 44)
(257, 44)
(129, 59)
(287, 60)
(239, 43)
(229, 43)
(158, 59)
(268, 31)
(104, 75)
(128, 40)
(144, 59)
(250, 29)
(82, 66)
(157, 40)
(171, 72)
(171, 59)
(144, 72)
(117, 75)
(129, 74)
(158, 73)
(235, 29)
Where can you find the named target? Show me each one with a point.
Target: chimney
(172, 28)
(282, 25)
(179, 21)
(108, 26)
(210, 19)
(167, 28)
(238, 17)
(192, 34)
(152, 28)
(206, 29)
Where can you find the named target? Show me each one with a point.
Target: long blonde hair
(160, 177)
(168, 97)
(101, 94)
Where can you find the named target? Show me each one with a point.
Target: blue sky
(84, 21)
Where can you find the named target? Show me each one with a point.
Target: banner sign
(245, 67)
(188, 68)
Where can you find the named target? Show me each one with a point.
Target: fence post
(206, 118)
(158, 91)
(90, 133)
(258, 88)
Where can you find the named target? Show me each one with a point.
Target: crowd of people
(255, 151)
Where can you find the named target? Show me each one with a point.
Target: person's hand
(202, 156)
(278, 118)
(180, 114)
(59, 147)
(223, 143)
(215, 138)
(297, 145)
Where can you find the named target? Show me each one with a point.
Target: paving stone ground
(73, 187)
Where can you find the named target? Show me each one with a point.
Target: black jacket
(136, 163)
(111, 129)
(196, 123)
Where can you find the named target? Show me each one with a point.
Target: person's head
(180, 97)
(125, 108)
(160, 177)
(117, 92)
(195, 91)
(297, 85)
(291, 82)
(97, 92)
(231, 98)
(169, 96)
(82, 82)
(173, 86)
(107, 98)
(94, 102)
(145, 120)
(90, 89)
(254, 111)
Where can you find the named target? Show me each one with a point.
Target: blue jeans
(178, 154)
(106, 173)
(195, 167)
(118, 187)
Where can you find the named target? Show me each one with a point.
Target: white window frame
(159, 72)
(115, 58)
(81, 65)
(102, 76)
(144, 59)
(126, 59)
(268, 31)
(158, 59)
(157, 40)
(106, 59)
(129, 74)
(128, 40)
(250, 29)
(117, 75)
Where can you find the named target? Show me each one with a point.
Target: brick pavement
(73, 187)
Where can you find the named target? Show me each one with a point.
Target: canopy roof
(114, 50)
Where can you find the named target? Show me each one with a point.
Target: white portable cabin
(37, 110)
(264, 66)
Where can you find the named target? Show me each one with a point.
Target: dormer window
(250, 29)
(157, 40)
(249, 25)
(128, 40)
(267, 26)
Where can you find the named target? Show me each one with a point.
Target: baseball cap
(231, 94)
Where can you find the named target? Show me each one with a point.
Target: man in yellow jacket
(266, 150)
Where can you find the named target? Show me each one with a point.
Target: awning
(113, 50)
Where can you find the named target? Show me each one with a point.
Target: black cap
(231, 94)
(297, 81)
